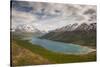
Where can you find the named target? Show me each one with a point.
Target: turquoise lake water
(60, 47)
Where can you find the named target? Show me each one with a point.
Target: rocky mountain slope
(82, 34)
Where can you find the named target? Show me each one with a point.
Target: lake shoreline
(61, 44)
(56, 57)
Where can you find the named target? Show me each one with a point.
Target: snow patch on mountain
(45, 17)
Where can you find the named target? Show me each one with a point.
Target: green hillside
(28, 51)
(85, 38)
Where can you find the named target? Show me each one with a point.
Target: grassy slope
(77, 37)
(23, 56)
(56, 57)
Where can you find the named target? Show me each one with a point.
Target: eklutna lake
(60, 47)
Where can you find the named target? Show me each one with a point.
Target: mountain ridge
(84, 34)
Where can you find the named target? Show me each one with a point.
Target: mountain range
(83, 34)
(45, 17)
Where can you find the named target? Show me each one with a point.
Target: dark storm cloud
(21, 6)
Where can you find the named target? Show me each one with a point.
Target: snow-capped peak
(45, 17)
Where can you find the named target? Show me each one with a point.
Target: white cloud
(69, 14)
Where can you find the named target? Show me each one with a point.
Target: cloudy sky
(49, 16)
